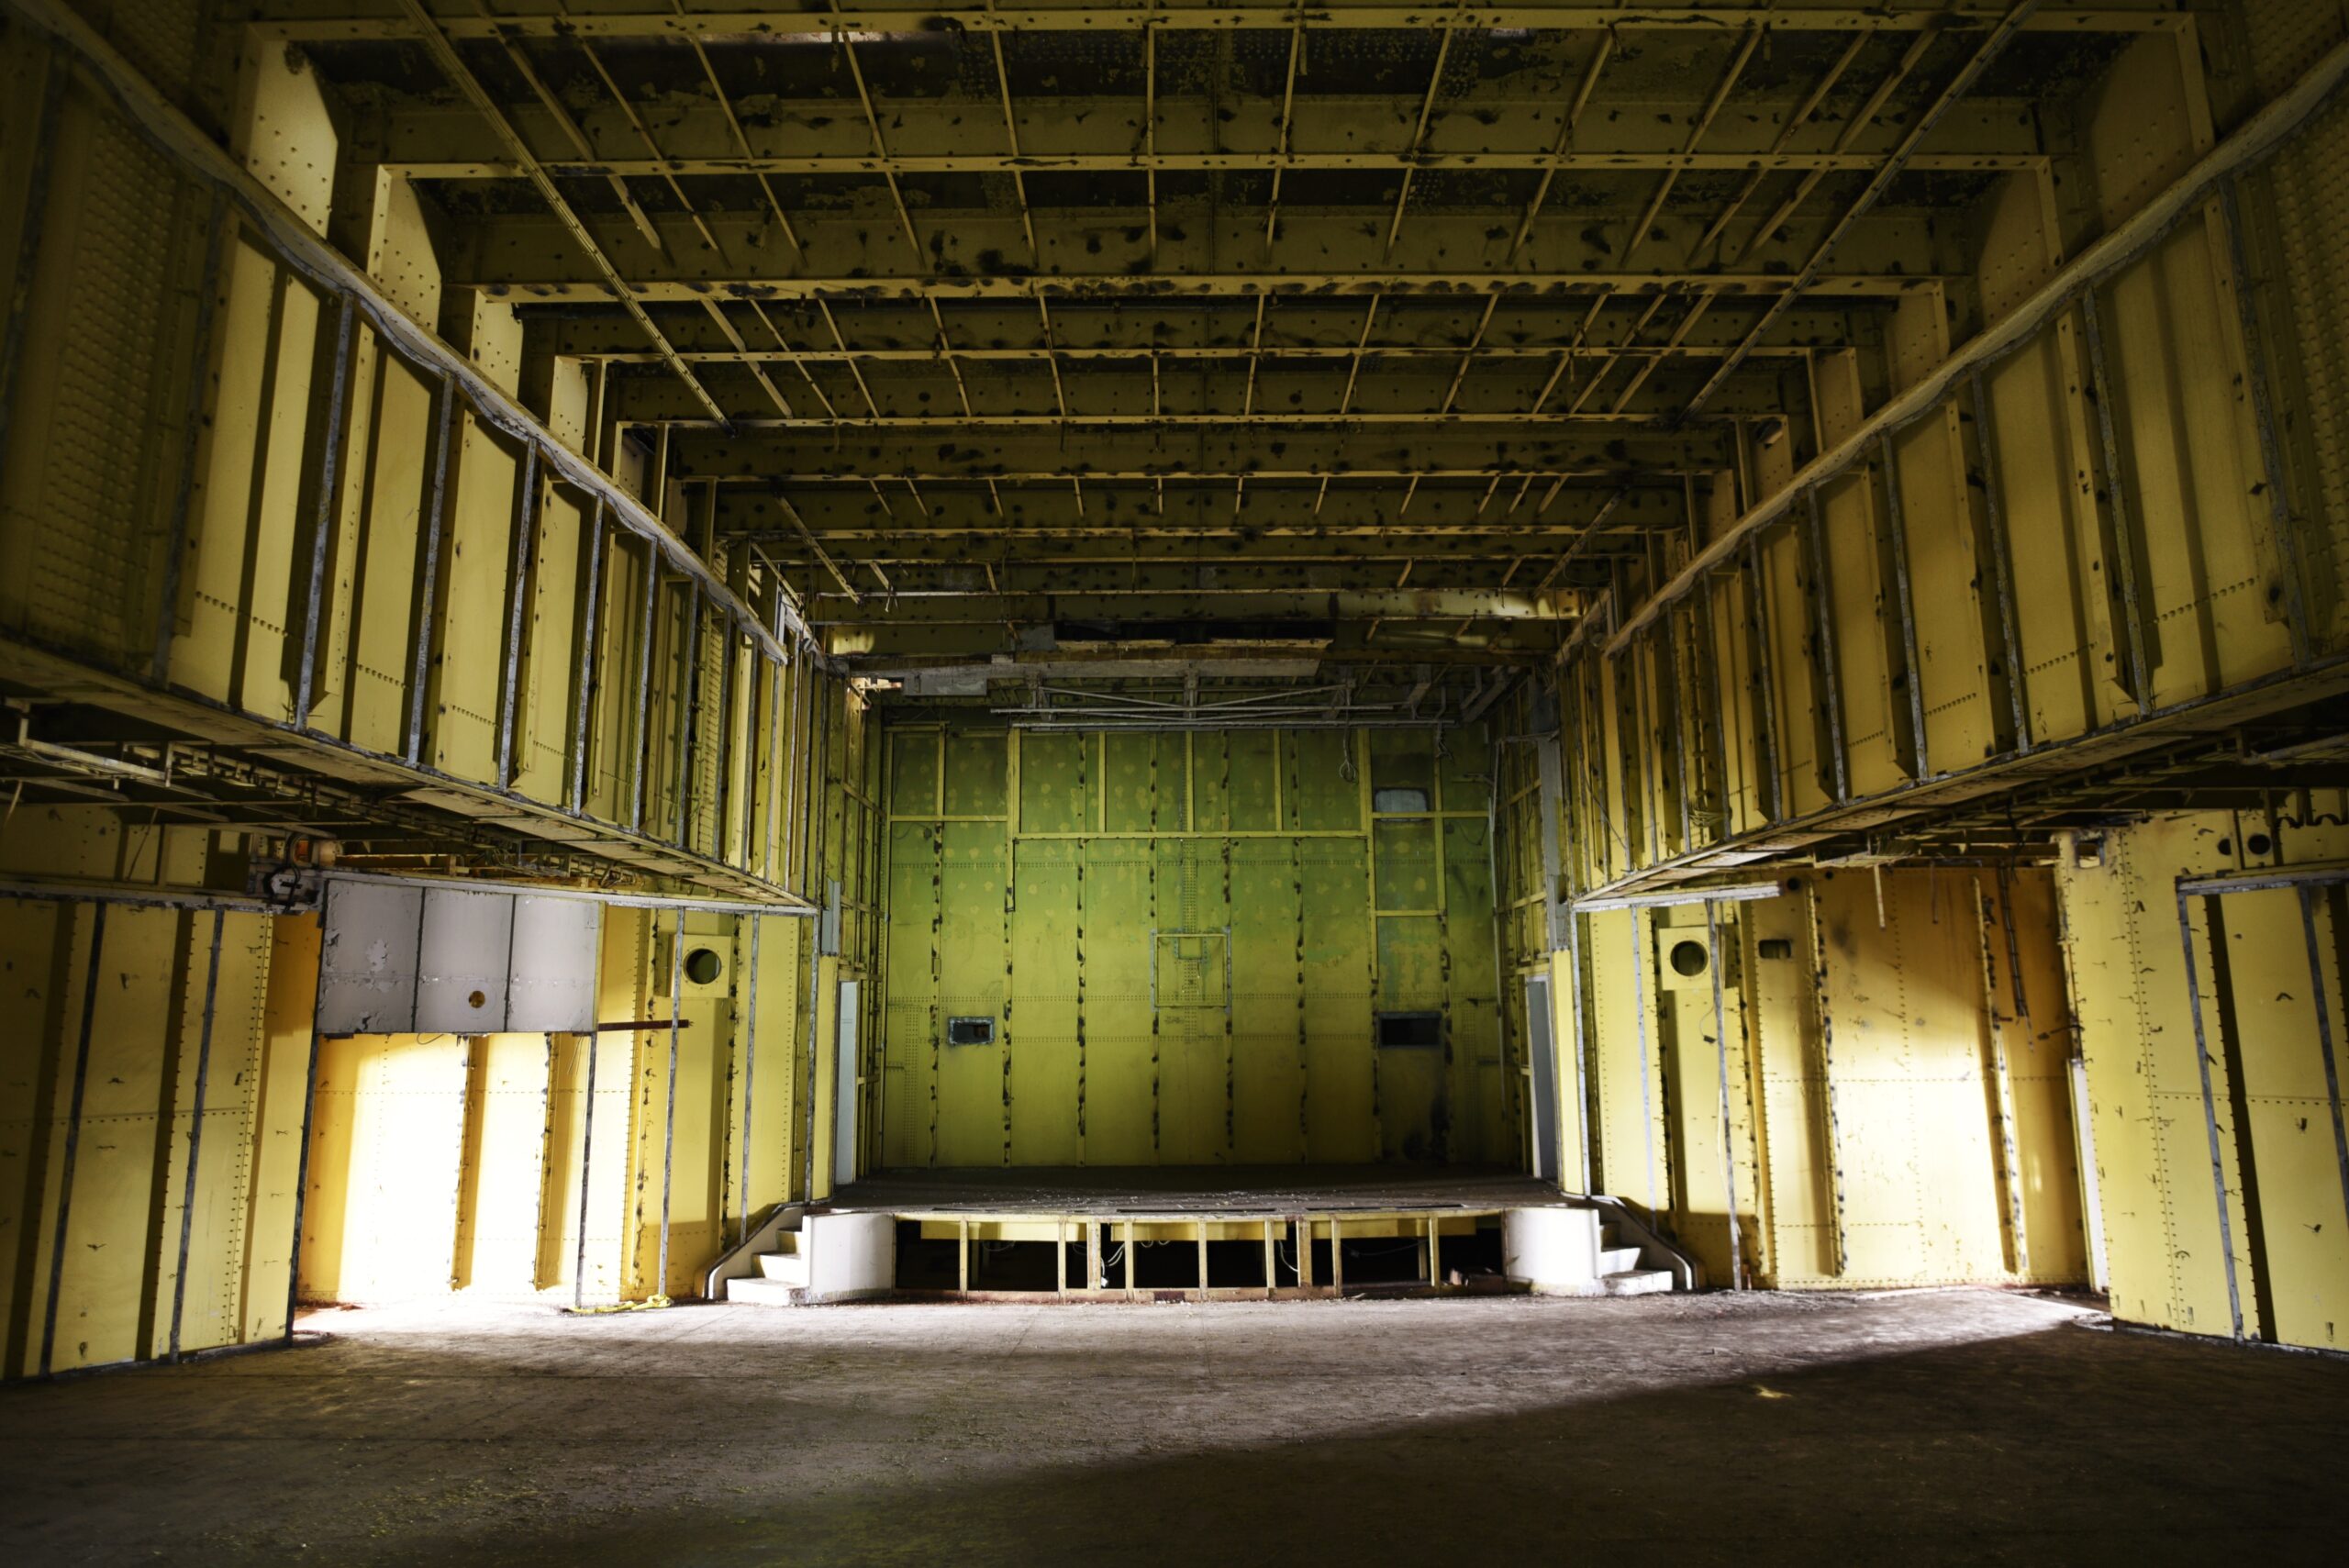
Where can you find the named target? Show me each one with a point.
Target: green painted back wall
(1031, 873)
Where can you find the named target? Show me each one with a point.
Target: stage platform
(1186, 1191)
(1194, 1232)
(1198, 1233)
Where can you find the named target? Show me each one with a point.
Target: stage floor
(1196, 1189)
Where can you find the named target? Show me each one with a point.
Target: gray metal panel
(367, 965)
(1546, 1078)
(462, 963)
(844, 1086)
(828, 923)
(555, 943)
(1552, 780)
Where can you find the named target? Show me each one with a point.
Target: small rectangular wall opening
(970, 1032)
(1407, 1031)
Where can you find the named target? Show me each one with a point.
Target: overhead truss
(1058, 286)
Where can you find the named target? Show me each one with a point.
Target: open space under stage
(1195, 1232)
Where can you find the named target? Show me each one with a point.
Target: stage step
(782, 1266)
(1636, 1282)
(819, 1257)
(765, 1292)
(783, 1274)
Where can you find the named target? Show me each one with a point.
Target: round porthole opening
(1688, 958)
(703, 965)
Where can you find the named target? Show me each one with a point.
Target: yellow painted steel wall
(1869, 1138)
(431, 1167)
(90, 465)
(1938, 1162)
(1802, 682)
(1631, 1151)
(113, 364)
(434, 1161)
(1720, 719)
(387, 1142)
(504, 1178)
(1031, 873)
(2298, 232)
(1520, 914)
(2271, 1113)
(180, 564)
(124, 1204)
(446, 1162)
(124, 1207)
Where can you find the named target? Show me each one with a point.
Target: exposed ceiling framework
(1381, 329)
(73, 754)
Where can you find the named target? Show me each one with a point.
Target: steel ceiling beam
(769, 473)
(1967, 74)
(1106, 396)
(1517, 120)
(846, 165)
(1182, 550)
(453, 66)
(976, 249)
(1136, 515)
(847, 43)
(1068, 419)
(1111, 396)
(1428, 448)
(1317, 353)
(776, 28)
(954, 608)
(906, 331)
(1278, 286)
(1569, 127)
(1793, 122)
(741, 142)
(1163, 578)
(1253, 463)
(576, 135)
(1486, 643)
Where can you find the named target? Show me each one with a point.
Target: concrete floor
(1937, 1427)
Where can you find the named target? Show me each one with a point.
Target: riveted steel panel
(552, 985)
(367, 976)
(462, 962)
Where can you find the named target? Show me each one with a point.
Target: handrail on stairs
(742, 1260)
